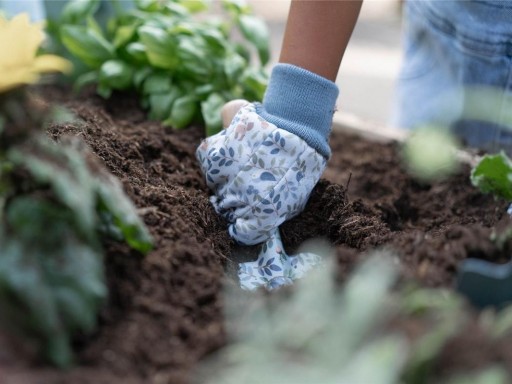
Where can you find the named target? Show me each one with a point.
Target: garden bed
(165, 310)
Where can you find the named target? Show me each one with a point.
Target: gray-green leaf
(255, 30)
(494, 174)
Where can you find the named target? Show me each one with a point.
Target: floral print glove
(264, 165)
(274, 268)
(261, 175)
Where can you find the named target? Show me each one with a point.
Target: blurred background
(371, 62)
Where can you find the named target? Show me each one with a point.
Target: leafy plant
(319, 333)
(443, 310)
(493, 174)
(57, 205)
(183, 64)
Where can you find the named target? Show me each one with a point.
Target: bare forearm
(317, 33)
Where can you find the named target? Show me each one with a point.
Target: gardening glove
(264, 165)
(274, 268)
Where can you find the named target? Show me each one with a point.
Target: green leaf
(85, 79)
(234, 66)
(113, 201)
(210, 109)
(243, 51)
(204, 90)
(175, 9)
(116, 74)
(214, 38)
(236, 7)
(147, 5)
(494, 174)
(61, 115)
(255, 30)
(140, 76)
(76, 11)
(157, 83)
(182, 113)
(137, 52)
(192, 53)
(502, 324)
(51, 282)
(93, 26)
(123, 35)
(65, 172)
(161, 48)
(194, 6)
(87, 45)
(161, 103)
(428, 346)
(488, 375)
(60, 203)
(254, 83)
(104, 91)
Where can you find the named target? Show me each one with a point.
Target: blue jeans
(457, 70)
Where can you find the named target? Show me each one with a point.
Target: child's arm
(317, 33)
(264, 165)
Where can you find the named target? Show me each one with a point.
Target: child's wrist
(302, 103)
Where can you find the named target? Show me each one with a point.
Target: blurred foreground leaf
(319, 335)
(429, 153)
(371, 331)
(58, 205)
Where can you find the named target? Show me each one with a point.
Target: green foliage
(183, 64)
(443, 309)
(491, 375)
(57, 204)
(319, 333)
(494, 174)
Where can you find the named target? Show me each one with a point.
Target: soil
(165, 311)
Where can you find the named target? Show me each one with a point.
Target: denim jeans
(457, 70)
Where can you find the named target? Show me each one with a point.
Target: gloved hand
(261, 175)
(263, 166)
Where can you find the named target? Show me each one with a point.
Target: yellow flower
(19, 42)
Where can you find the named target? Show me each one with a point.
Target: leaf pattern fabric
(261, 175)
(273, 267)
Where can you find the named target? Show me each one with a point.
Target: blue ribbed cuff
(300, 102)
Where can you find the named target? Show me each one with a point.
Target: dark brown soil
(165, 309)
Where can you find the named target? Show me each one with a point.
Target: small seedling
(485, 283)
